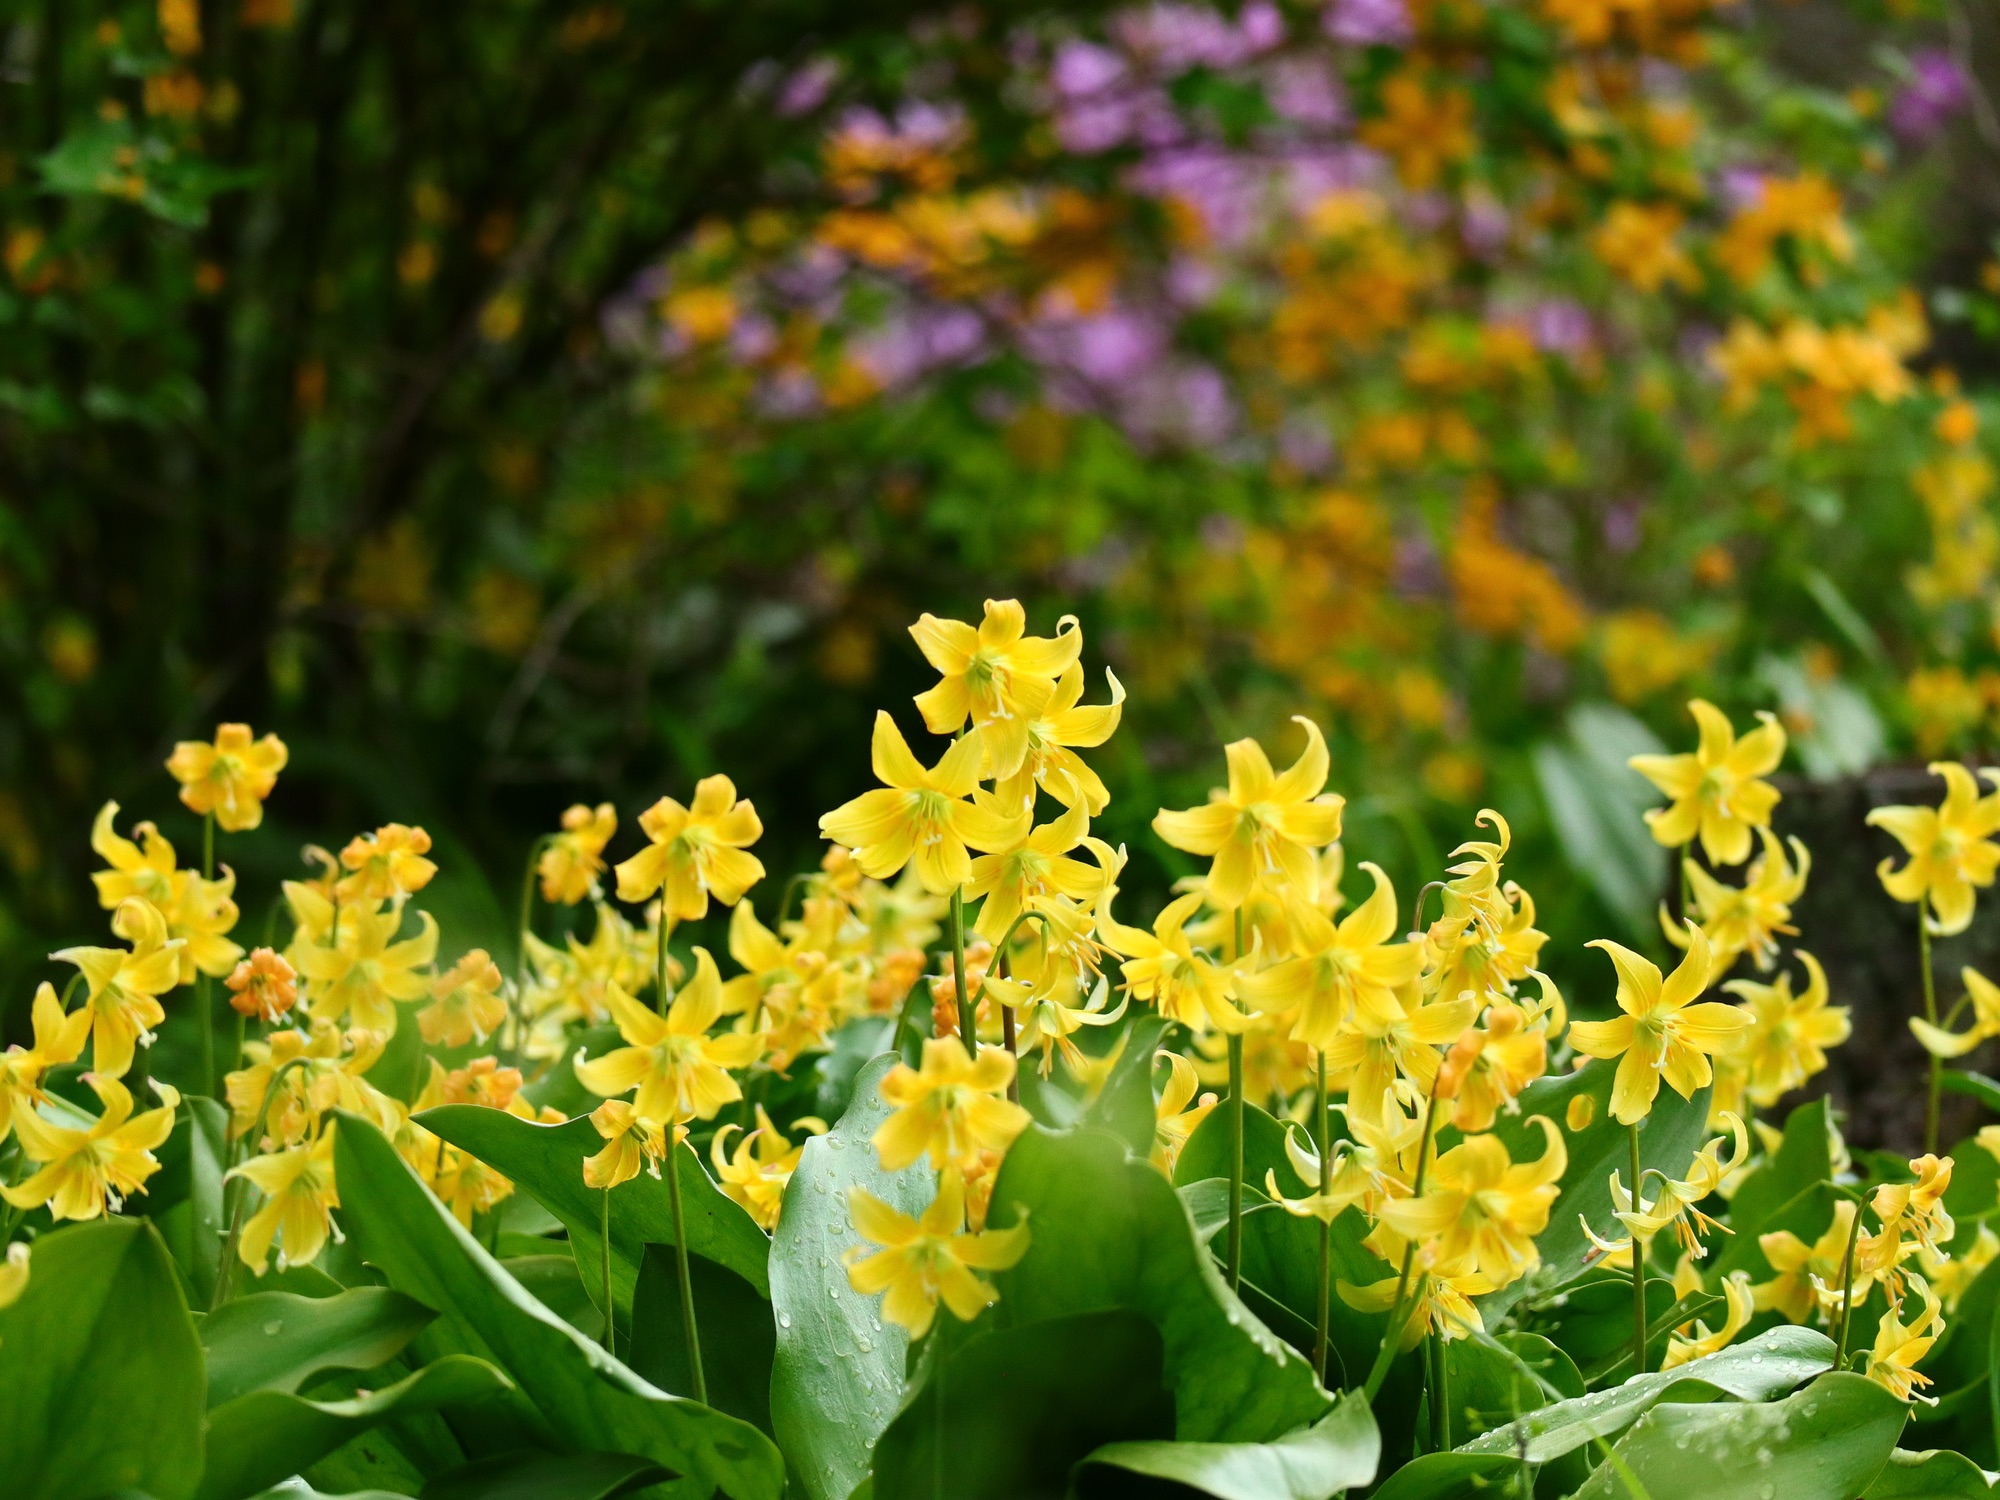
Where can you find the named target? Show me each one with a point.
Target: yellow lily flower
(466, 1004)
(1800, 1270)
(299, 1196)
(327, 1076)
(998, 677)
(84, 1170)
(467, 1186)
(1439, 1304)
(367, 970)
(1374, 1168)
(1662, 1033)
(1177, 1112)
(1718, 792)
(1746, 919)
(680, 1071)
(144, 869)
(920, 817)
(763, 1163)
(123, 984)
(571, 983)
(1951, 847)
(695, 852)
(1063, 727)
(1674, 1204)
(1341, 969)
(1044, 1018)
(1951, 1276)
(1786, 1040)
(1163, 966)
(630, 1142)
(1985, 997)
(1480, 1211)
(1501, 1059)
(59, 1039)
(385, 865)
(14, 1273)
(951, 1108)
(1264, 826)
(200, 911)
(1914, 1208)
(571, 863)
(231, 777)
(929, 1258)
(1021, 875)
(1899, 1347)
(263, 987)
(1740, 1305)
(1374, 1048)
(1485, 937)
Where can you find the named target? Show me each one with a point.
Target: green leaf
(100, 1370)
(1668, 1140)
(1973, 1085)
(1807, 1215)
(837, 1374)
(1754, 1370)
(1596, 801)
(1125, 1105)
(854, 1046)
(1336, 1454)
(738, 1334)
(1106, 1230)
(547, 1476)
(1825, 1443)
(1011, 1411)
(556, 1281)
(582, 1399)
(260, 1437)
(185, 1197)
(1935, 1474)
(1449, 1476)
(297, 1489)
(276, 1341)
(1803, 1158)
(547, 1161)
(1494, 1381)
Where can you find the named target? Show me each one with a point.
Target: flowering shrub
(965, 1183)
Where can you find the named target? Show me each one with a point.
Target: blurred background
(519, 403)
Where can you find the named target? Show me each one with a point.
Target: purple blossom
(1114, 347)
(1192, 281)
(1936, 91)
(1484, 227)
(808, 86)
(1559, 326)
(752, 337)
(1094, 125)
(1224, 188)
(1625, 526)
(1416, 571)
(1303, 91)
(1313, 172)
(926, 339)
(788, 393)
(1368, 23)
(1740, 187)
(1174, 38)
(1082, 69)
(1305, 444)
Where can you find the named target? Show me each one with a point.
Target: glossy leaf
(1803, 1157)
(185, 1199)
(738, 1334)
(100, 1370)
(1107, 1230)
(556, 1281)
(837, 1373)
(1496, 1380)
(277, 1341)
(1935, 1474)
(296, 1488)
(258, 1438)
(1125, 1105)
(547, 1476)
(1457, 1475)
(578, 1398)
(1336, 1454)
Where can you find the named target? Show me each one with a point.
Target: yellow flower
(326, 1075)
(467, 1186)
(924, 1259)
(299, 1194)
(385, 865)
(1264, 827)
(1177, 1112)
(1000, 678)
(144, 869)
(1044, 1018)
(695, 852)
(1024, 873)
(59, 1038)
(1641, 242)
(1674, 1204)
(230, 778)
(630, 1141)
(792, 992)
(1740, 1305)
(1374, 1049)
(921, 817)
(571, 983)
(1950, 846)
(1786, 1040)
(1163, 966)
(84, 1170)
(367, 971)
(1501, 1059)
(1436, 1304)
(122, 984)
(14, 1273)
(1662, 1033)
(1746, 919)
(574, 858)
(1339, 969)
(263, 987)
(1718, 792)
(1985, 997)
(1913, 1208)
(1899, 1347)
(197, 910)
(951, 1108)
(1800, 1270)
(467, 1006)
(1480, 1211)
(763, 1163)
(1951, 1276)
(1063, 727)
(680, 1071)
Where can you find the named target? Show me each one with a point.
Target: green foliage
(1336, 1454)
(278, 1341)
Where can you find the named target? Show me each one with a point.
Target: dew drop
(866, 1346)
(784, 1320)
(274, 1326)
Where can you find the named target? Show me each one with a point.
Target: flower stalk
(1936, 1080)
(1638, 1265)
(1387, 1352)
(1234, 1261)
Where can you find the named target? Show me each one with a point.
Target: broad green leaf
(1336, 1454)
(1596, 800)
(1107, 1230)
(373, 1460)
(837, 1375)
(100, 1370)
(1450, 1476)
(1974, 1189)
(738, 1334)
(1125, 1105)
(276, 1341)
(1754, 1370)
(185, 1197)
(1494, 1381)
(1807, 1215)
(1972, 1085)
(1825, 1443)
(1668, 1140)
(547, 1476)
(1803, 1158)
(1005, 1415)
(1935, 1474)
(556, 1281)
(1593, 1323)
(582, 1399)
(855, 1045)
(296, 1488)
(259, 1438)
(547, 1161)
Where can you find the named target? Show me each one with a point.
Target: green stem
(225, 1274)
(1434, 1390)
(1234, 1261)
(1930, 1014)
(610, 1320)
(1387, 1352)
(968, 1018)
(1638, 1266)
(695, 1374)
(665, 996)
(203, 1003)
(1007, 1011)
(1847, 1289)
(521, 944)
(1325, 1310)
(1687, 885)
(937, 1421)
